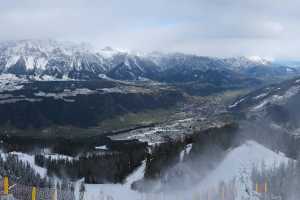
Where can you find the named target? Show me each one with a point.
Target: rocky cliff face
(42, 59)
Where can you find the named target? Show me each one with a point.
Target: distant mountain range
(66, 84)
(53, 89)
(46, 59)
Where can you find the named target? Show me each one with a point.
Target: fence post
(196, 196)
(208, 194)
(223, 192)
(5, 185)
(33, 193)
(54, 194)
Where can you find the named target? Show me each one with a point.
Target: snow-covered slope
(276, 106)
(38, 54)
(27, 158)
(244, 62)
(80, 61)
(256, 66)
(10, 82)
(117, 191)
(237, 164)
(242, 159)
(40, 57)
(278, 94)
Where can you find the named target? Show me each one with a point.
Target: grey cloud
(207, 27)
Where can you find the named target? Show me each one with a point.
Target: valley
(149, 100)
(94, 118)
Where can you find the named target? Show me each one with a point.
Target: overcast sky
(267, 28)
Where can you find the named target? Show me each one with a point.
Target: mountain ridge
(80, 61)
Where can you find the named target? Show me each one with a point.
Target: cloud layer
(268, 28)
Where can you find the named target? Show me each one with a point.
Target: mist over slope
(235, 166)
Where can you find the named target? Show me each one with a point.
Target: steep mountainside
(42, 59)
(278, 102)
(271, 115)
(258, 67)
(67, 60)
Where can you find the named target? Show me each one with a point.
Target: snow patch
(59, 157)
(117, 191)
(187, 149)
(104, 147)
(278, 99)
(66, 93)
(260, 60)
(26, 158)
(243, 158)
(261, 96)
(237, 103)
(11, 82)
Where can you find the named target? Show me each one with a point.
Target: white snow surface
(103, 147)
(11, 82)
(26, 158)
(40, 54)
(237, 165)
(187, 149)
(66, 93)
(237, 103)
(246, 62)
(278, 99)
(260, 60)
(242, 159)
(59, 157)
(117, 191)
(261, 96)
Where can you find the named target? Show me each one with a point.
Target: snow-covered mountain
(246, 62)
(47, 57)
(255, 66)
(271, 115)
(41, 58)
(282, 94)
(238, 164)
(278, 104)
(59, 59)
